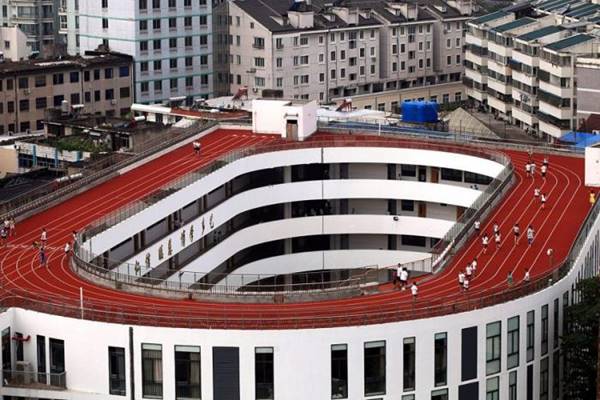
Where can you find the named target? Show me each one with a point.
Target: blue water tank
(419, 111)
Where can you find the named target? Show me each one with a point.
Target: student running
(543, 200)
(498, 239)
(516, 233)
(592, 198)
(485, 240)
(477, 225)
(543, 171)
(530, 235)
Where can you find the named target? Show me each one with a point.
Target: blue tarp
(419, 111)
(580, 139)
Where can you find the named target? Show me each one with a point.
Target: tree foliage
(580, 342)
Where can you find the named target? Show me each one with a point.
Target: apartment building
(38, 19)
(520, 64)
(588, 88)
(169, 40)
(313, 50)
(13, 44)
(98, 83)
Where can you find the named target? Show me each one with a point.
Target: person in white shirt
(474, 266)
(496, 227)
(67, 248)
(44, 236)
(528, 170)
(477, 225)
(543, 200)
(516, 233)
(461, 279)
(468, 271)
(536, 193)
(532, 169)
(526, 277)
(403, 277)
(414, 289)
(466, 285)
(485, 241)
(498, 239)
(530, 235)
(543, 170)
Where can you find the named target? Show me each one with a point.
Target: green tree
(580, 342)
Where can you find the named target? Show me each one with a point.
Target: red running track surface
(56, 289)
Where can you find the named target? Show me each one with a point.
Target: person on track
(509, 279)
(496, 227)
(44, 237)
(530, 235)
(516, 233)
(485, 241)
(528, 169)
(477, 226)
(543, 170)
(526, 277)
(532, 167)
(461, 279)
(543, 200)
(466, 285)
(545, 162)
(592, 198)
(3, 236)
(67, 248)
(474, 266)
(468, 271)
(403, 277)
(43, 258)
(414, 289)
(13, 227)
(498, 239)
(536, 193)
(196, 146)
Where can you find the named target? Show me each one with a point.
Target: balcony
(35, 380)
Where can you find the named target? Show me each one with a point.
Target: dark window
(439, 394)
(143, 4)
(116, 370)
(104, 3)
(19, 345)
(408, 363)
(156, 44)
(226, 373)
(6, 353)
(407, 205)
(530, 335)
(544, 387)
(25, 126)
(58, 100)
(57, 362)
(374, 364)
(58, 79)
(451, 175)
(544, 338)
(74, 77)
(471, 177)
(441, 359)
(155, 3)
(555, 324)
(408, 170)
(339, 371)
(96, 95)
(40, 81)
(109, 94)
(513, 343)
(75, 98)
(86, 76)
(9, 84)
(96, 74)
(124, 92)
(23, 83)
(555, 375)
(529, 390)
(108, 73)
(10, 106)
(152, 380)
(123, 71)
(263, 367)
(41, 358)
(39, 124)
(493, 348)
(87, 97)
(409, 240)
(512, 385)
(24, 105)
(187, 372)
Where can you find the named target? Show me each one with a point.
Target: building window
(513, 343)
(144, 87)
(408, 363)
(530, 335)
(124, 92)
(512, 385)
(104, 23)
(155, 4)
(152, 380)
(23, 83)
(74, 77)
(452, 175)
(555, 325)
(143, 4)
(544, 379)
(440, 394)
(108, 73)
(41, 353)
(104, 3)
(339, 371)
(57, 362)
(96, 95)
(189, 81)
(492, 389)
(58, 79)
(544, 337)
(263, 366)
(109, 94)
(123, 71)
(156, 44)
(173, 63)
(24, 105)
(441, 358)
(116, 370)
(374, 368)
(75, 98)
(40, 81)
(173, 83)
(58, 100)
(492, 347)
(187, 372)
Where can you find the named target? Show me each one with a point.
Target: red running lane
(556, 227)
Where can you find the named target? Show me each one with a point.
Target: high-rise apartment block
(521, 63)
(170, 41)
(315, 50)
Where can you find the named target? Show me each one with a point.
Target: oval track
(56, 288)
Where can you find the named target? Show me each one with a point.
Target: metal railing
(35, 380)
(105, 168)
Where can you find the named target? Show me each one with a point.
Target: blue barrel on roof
(419, 111)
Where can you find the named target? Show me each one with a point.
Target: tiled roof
(568, 42)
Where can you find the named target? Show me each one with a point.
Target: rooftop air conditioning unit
(113, 102)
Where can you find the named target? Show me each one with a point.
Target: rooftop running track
(56, 289)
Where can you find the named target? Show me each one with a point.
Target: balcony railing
(35, 380)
